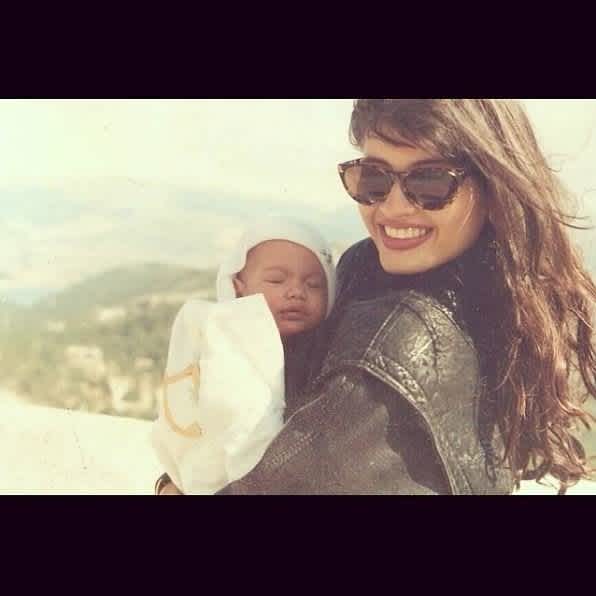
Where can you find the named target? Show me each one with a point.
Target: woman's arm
(422, 424)
(357, 436)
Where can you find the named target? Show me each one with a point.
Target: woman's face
(435, 237)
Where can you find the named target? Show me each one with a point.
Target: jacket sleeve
(356, 436)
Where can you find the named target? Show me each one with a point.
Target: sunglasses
(428, 187)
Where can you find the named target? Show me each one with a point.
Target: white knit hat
(275, 228)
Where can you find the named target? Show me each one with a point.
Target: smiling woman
(435, 207)
(447, 364)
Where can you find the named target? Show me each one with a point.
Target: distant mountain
(122, 285)
(89, 226)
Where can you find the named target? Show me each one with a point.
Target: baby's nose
(296, 291)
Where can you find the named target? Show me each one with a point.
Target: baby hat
(275, 228)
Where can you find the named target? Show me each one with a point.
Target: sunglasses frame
(458, 174)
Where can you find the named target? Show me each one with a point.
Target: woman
(462, 327)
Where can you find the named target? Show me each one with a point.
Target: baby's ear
(239, 286)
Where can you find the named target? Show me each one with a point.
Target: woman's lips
(410, 236)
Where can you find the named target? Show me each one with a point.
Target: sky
(86, 185)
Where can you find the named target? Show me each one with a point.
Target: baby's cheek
(322, 302)
(272, 300)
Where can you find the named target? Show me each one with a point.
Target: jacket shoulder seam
(404, 390)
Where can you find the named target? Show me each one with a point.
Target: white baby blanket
(223, 397)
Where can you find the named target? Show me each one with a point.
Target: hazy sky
(281, 149)
(90, 184)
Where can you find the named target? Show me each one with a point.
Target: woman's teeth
(405, 233)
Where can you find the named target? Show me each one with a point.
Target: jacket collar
(466, 279)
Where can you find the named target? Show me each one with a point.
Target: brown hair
(546, 297)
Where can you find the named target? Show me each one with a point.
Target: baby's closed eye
(315, 283)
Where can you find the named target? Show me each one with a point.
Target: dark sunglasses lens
(367, 184)
(431, 188)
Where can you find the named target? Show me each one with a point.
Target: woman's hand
(165, 486)
(169, 489)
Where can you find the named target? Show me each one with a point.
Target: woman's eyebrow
(420, 162)
(431, 161)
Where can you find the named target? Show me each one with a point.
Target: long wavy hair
(546, 363)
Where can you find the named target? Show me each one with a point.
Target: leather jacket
(398, 398)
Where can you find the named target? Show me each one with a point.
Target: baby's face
(292, 280)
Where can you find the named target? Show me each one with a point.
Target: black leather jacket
(400, 404)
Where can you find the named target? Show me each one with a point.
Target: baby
(223, 397)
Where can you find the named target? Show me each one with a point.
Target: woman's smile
(404, 238)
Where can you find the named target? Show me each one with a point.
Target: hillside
(101, 344)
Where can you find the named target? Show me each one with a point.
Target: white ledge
(48, 451)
